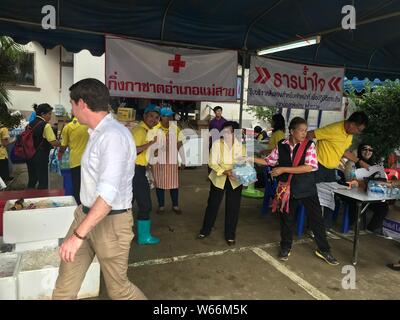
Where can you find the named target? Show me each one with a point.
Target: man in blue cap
(141, 187)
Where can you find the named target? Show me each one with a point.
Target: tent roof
(372, 49)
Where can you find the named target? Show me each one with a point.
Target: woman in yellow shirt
(224, 154)
(4, 170)
(165, 171)
(278, 131)
(43, 139)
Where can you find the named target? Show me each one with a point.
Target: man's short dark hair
(359, 118)
(233, 124)
(257, 129)
(93, 92)
(43, 108)
(217, 108)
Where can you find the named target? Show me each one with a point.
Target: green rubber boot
(144, 236)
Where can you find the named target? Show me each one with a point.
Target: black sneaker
(327, 256)
(284, 254)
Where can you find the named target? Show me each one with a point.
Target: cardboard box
(126, 114)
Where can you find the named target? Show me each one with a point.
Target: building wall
(88, 66)
(47, 80)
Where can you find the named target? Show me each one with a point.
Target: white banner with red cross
(138, 69)
(291, 85)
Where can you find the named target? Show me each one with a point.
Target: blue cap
(151, 107)
(166, 112)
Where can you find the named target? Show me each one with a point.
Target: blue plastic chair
(269, 192)
(346, 221)
(301, 219)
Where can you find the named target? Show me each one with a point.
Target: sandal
(177, 210)
(394, 266)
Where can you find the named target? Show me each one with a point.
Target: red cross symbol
(177, 63)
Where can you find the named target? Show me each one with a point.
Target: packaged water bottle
(353, 171)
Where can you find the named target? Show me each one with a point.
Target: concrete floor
(181, 267)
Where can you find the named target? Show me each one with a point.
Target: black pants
(161, 197)
(314, 215)
(380, 210)
(4, 170)
(141, 193)
(232, 208)
(38, 170)
(76, 183)
(326, 175)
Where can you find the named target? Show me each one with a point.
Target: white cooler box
(9, 265)
(32, 229)
(38, 274)
(391, 224)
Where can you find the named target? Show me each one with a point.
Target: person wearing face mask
(333, 142)
(141, 187)
(380, 209)
(302, 188)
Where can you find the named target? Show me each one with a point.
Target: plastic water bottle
(353, 171)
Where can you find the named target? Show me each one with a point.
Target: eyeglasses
(367, 149)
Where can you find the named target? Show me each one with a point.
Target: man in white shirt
(103, 223)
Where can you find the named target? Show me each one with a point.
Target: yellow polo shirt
(275, 138)
(141, 137)
(172, 127)
(48, 132)
(222, 158)
(3, 150)
(332, 142)
(75, 136)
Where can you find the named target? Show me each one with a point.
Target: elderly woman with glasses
(380, 210)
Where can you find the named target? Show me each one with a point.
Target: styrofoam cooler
(38, 274)
(37, 228)
(9, 266)
(391, 224)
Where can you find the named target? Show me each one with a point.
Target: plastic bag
(65, 160)
(245, 174)
(54, 163)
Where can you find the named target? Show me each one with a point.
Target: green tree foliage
(383, 109)
(10, 53)
(262, 113)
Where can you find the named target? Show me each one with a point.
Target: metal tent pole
(244, 58)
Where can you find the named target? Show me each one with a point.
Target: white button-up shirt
(108, 165)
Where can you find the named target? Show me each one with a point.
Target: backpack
(24, 148)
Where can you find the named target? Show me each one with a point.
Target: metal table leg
(356, 232)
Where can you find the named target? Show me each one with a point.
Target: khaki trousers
(110, 241)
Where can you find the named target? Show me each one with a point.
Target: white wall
(47, 80)
(88, 66)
